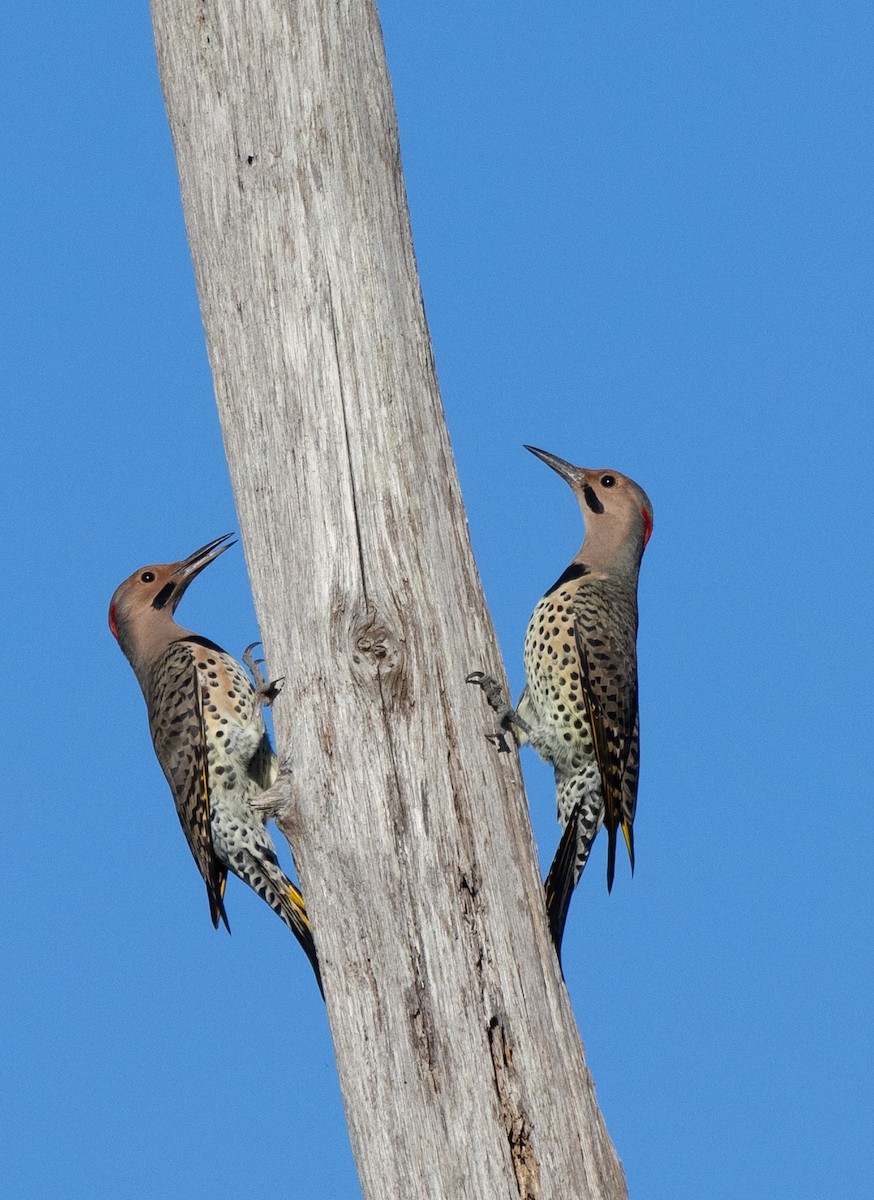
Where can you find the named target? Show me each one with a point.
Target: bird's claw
(494, 693)
(278, 796)
(265, 692)
(267, 804)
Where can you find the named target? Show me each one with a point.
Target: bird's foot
(506, 714)
(265, 692)
(276, 799)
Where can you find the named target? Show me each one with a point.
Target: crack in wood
(424, 1031)
(335, 334)
(516, 1122)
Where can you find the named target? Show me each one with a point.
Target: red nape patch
(113, 628)
(647, 525)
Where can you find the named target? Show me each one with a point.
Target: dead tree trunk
(459, 1059)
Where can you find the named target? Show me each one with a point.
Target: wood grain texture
(460, 1062)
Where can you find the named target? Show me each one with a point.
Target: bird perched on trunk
(209, 735)
(579, 705)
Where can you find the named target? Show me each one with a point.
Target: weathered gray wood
(459, 1058)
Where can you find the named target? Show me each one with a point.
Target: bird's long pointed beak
(190, 567)
(566, 470)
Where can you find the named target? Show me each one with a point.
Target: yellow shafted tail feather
(628, 834)
(297, 903)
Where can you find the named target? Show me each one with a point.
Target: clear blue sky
(645, 240)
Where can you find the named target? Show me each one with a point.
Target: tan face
(138, 593)
(159, 588)
(606, 497)
(611, 493)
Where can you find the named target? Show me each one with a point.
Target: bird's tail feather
(628, 834)
(293, 912)
(561, 880)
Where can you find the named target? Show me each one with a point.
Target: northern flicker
(209, 735)
(579, 705)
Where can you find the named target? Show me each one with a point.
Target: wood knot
(372, 645)
(378, 645)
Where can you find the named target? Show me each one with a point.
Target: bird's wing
(629, 789)
(605, 641)
(179, 736)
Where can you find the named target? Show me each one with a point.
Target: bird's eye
(608, 481)
(147, 577)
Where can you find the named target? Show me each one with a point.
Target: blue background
(645, 241)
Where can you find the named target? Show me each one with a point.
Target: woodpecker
(209, 736)
(578, 708)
